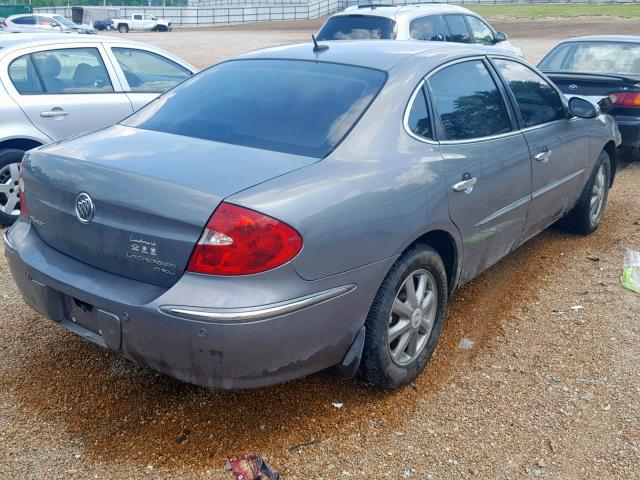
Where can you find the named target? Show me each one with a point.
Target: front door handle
(543, 156)
(54, 112)
(465, 186)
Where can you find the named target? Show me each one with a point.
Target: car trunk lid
(596, 85)
(152, 194)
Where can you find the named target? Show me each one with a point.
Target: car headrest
(50, 67)
(84, 75)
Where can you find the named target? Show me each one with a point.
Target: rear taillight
(4, 24)
(24, 209)
(625, 99)
(239, 241)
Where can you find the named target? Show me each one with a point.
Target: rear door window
(69, 70)
(480, 31)
(537, 100)
(458, 29)
(431, 27)
(291, 106)
(357, 27)
(468, 101)
(149, 72)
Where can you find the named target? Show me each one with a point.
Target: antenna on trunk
(318, 48)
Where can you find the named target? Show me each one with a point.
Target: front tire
(123, 28)
(405, 320)
(586, 216)
(10, 159)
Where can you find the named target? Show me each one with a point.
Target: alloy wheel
(598, 195)
(412, 317)
(9, 189)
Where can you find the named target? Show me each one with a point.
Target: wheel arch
(610, 148)
(448, 248)
(20, 143)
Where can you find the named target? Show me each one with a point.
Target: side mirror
(500, 37)
(579, 107)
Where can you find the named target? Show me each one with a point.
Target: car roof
(378, 54)
(604, 38)
(15, 41)
(403, 11)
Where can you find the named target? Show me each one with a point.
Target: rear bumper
(216, 345)
(630, 130)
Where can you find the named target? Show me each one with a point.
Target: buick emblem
(84, 208)
(573, 86)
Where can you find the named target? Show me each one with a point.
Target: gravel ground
(545, 390)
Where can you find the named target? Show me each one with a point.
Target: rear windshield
(357, 27)
(298, 107)
(594, 57)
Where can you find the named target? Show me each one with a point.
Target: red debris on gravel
(251, 466)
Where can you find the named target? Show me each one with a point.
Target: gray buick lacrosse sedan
(298, 209)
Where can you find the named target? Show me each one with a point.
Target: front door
(486, 161)
(66, 91)
(559, 147)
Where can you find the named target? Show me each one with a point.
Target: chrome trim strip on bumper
(256, 313)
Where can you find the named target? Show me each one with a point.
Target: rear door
(486, 159)
(145, 74)
(137, 22)
(67, 90)
(559, 145)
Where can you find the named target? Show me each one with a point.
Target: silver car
(302, 208)
(431, 22)
(53, 86)
(43, 23)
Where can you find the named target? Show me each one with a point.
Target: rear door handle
(543, 156)
(465, 186)
(54, 112)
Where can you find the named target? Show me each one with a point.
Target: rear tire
(123, 28)
(402, 329)
(10, 159)
(586, 216)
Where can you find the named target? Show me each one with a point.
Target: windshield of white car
(63, 21)
(594, 57)
(357, 27)
(291, 106)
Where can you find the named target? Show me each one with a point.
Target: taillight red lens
(239, 241)
(625, 99)
(4, 23)
(24, 209)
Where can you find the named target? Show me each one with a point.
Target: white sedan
(54, 86)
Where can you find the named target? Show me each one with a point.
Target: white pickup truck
(141, 21)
